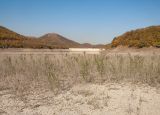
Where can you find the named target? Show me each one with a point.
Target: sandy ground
(85, 99)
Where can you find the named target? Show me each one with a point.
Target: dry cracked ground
(85, 99)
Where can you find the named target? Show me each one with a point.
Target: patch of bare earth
(85, 99)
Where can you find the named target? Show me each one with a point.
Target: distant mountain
(88, 45)
(99, 46)
(53, 39)
(144, 37)
(11, 39)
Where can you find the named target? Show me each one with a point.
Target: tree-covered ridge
(6, 34)
(145, 37)
(10, 39)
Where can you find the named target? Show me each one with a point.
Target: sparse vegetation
(24, 72)
(74, 79)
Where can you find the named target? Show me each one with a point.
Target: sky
(93, 21)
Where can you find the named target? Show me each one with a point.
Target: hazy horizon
(83, 21)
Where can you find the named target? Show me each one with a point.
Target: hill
(6, 34)
(9, 38)
(145, 37)
(56, 40)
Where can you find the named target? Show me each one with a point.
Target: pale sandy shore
(85, 99)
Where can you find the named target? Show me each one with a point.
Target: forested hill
(145, 37)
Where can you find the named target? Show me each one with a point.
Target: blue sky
(94, 21)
